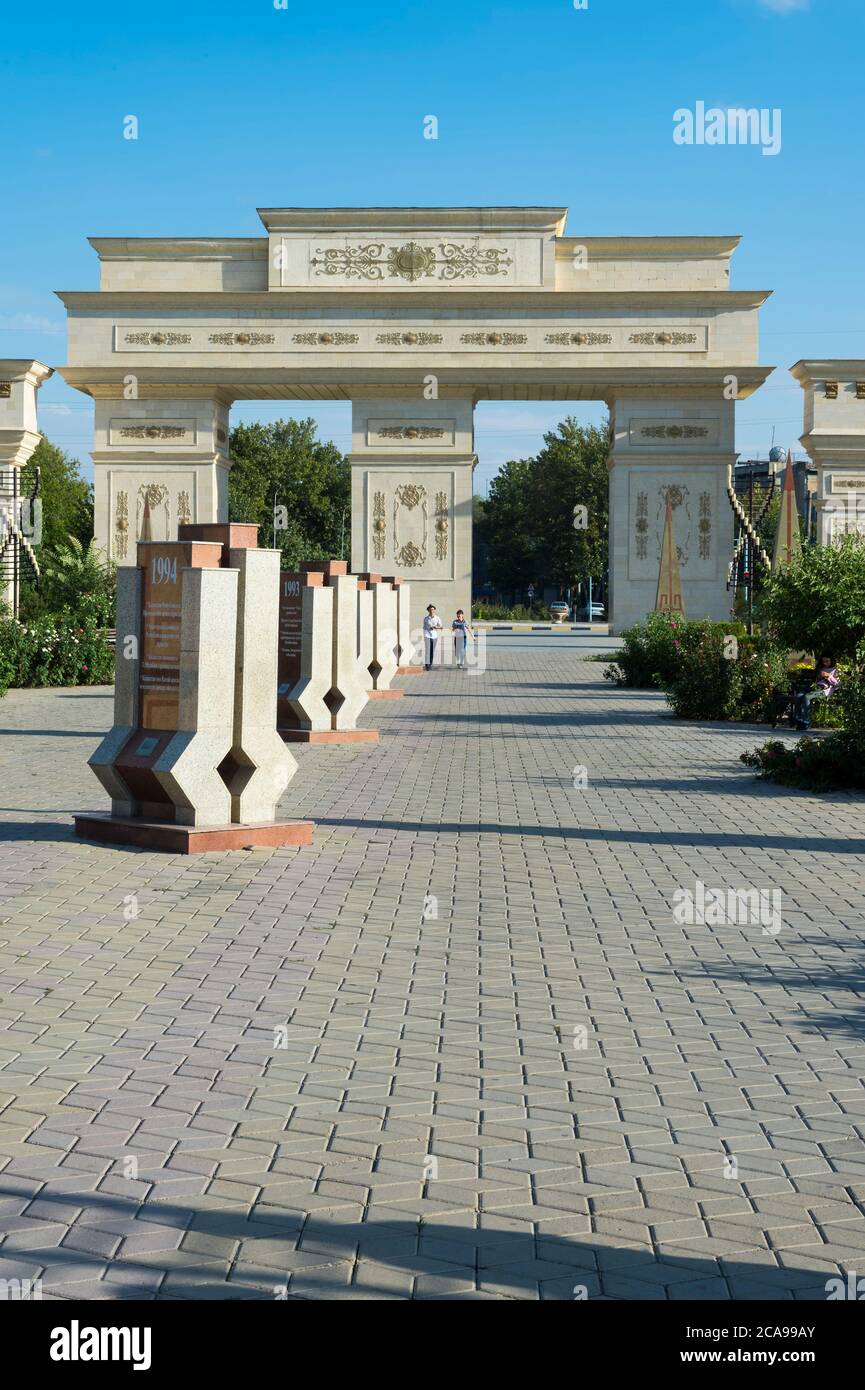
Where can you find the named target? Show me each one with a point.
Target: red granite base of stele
(410, 670)
(386, 694)
(329, 735)
(190, 839)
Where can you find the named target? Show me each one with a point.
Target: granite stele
(194, 761)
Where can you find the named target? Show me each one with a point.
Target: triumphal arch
(415, 314)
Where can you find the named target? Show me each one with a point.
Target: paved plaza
(460, 1047)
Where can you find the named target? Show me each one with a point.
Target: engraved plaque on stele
(163, 563)
(291, 586)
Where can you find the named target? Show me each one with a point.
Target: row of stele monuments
(222, 658)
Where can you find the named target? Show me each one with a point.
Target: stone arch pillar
(677, 445)
(20, 379)
(834, 435)
(411, 498)
(159, 461)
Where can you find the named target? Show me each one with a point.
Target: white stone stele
(127, 669)
(264, 764)
(384, 643)
(409, 656)
(347, 684)
(364, 636)
(187, 768)
(307, 698)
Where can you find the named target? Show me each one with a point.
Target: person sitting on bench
(826, 680)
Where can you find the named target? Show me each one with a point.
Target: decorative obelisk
(788, 541)
(669, 597)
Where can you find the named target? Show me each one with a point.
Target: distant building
(762, 471)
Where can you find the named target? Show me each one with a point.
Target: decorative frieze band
(388, 433)
(652, 432)
(158, 338)
(579, 339)
(408, 339)
(411, 432)
(296, 337)
(241, 339)
(670, 339)
(494, 339)
(151, 432)
(324, 339)
(836, 482)
(376, 261)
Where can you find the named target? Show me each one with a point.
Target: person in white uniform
(432, 626)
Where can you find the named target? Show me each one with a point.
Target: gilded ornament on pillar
(379, 525)
(152, 500)
(704, 526)
(675, 496)
(641, 526)
(184, 511)
(442, 526)
(411, 551)
(409, 495)
(121, 526)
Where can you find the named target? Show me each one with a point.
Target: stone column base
(190, 839)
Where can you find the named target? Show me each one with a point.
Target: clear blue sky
(242, 105)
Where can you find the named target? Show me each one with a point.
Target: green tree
(818, 604)
(504, 529)
(283, 462)
(571, 472)
(67, 497)
(67, 515)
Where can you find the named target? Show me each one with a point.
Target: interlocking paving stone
(458, 1048)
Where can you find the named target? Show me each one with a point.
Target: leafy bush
(61, 650)
(851, 698)
(483, 612)
(827, 714)
(818, 604)
(706, 683)
(650, 655)
(78, 581)
(764, 670)
(814, 764)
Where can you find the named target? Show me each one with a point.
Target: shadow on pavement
(256, 1255)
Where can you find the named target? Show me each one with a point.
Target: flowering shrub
(651, 654)
(820, 764)
(706, 683)
(815, 764)
(64, 649)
